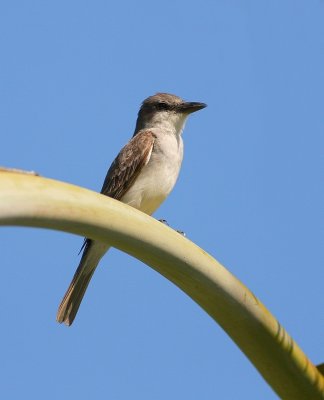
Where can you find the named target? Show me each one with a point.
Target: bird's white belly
(157, 178)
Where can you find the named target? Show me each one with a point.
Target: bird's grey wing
(126, 167)
(128, 164)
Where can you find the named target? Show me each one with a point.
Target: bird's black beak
(191, 106)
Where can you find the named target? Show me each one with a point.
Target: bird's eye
(162, 106)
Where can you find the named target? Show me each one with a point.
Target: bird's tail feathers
(73, 297)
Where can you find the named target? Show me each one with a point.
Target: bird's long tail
(72, 299)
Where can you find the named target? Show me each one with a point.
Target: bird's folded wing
(128, 164)
(125, 168)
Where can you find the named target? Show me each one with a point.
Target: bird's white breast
(159, 175)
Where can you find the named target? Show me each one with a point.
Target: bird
(142, 176)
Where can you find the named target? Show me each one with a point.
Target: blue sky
(72, 77)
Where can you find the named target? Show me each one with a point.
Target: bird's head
(165, 111)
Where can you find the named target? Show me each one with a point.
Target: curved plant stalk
(34, 201)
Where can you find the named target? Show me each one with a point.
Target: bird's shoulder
(128, 164)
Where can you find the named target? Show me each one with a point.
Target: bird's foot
(165, 222)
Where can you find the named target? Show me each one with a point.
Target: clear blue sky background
(72, 77)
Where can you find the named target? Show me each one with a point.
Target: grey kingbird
(142, 175)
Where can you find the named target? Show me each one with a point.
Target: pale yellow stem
(34, 201)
